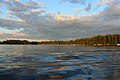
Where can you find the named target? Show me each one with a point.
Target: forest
(100, 40)
(109, 39)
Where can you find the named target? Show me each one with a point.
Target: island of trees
(99, 40)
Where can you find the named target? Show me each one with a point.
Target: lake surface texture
(59, 62)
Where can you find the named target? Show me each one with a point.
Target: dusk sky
(58, 19)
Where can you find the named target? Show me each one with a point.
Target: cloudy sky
(58, 19)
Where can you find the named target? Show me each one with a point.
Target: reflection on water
(59, 62)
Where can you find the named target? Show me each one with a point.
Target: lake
(59, 62)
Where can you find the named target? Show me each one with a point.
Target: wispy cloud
(78, 9)
(75, 1)
(18, 34)
(101, 2)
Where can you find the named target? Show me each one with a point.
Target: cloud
(17, 6)
(1, 33)
(18, 34)
(81, 2)
(34, 22)
(10, 23)
(101, 2)
(63, 17)
(14, 35)
(76, 1)
(88, 8)
(1, 12)
(78, 9)
(111, 12)
(37, 11)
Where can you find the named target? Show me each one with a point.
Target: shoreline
(64, 44)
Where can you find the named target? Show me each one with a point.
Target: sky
(58, 19)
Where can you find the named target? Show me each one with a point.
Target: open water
(59, 62)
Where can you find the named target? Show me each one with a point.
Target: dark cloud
(88, 8)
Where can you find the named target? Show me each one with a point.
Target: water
(59, 62)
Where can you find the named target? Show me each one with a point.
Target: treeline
(110, 39)
(18, 42)
(105, 40)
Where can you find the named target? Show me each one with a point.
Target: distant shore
(99, 40)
